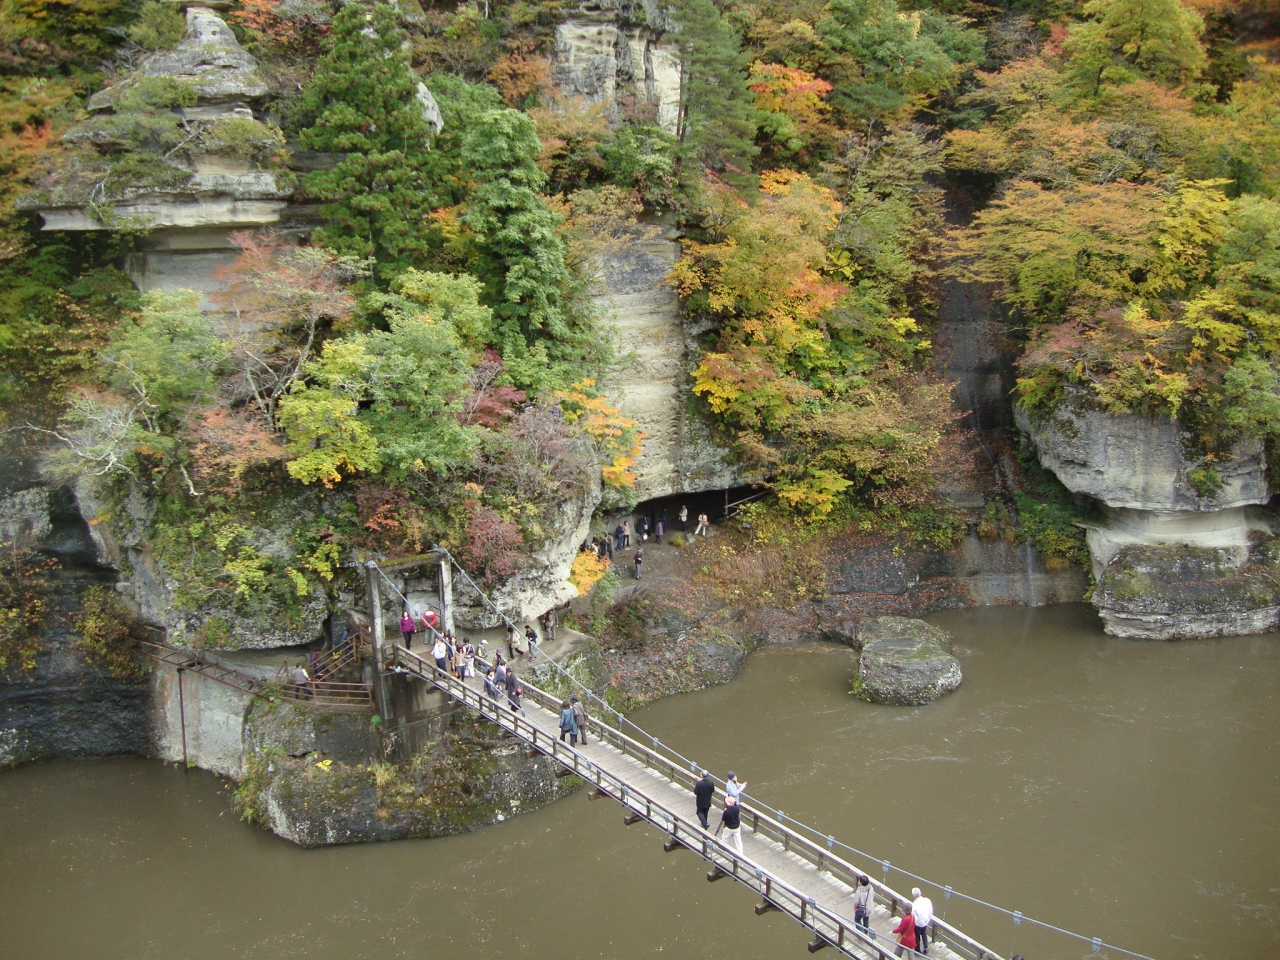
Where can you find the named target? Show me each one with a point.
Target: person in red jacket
(429, 620)
(906, 931)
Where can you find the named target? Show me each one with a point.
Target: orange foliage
(615, 437)
(520, 78)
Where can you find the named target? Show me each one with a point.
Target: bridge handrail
(777, 815)
(839, 927)
(822, 858)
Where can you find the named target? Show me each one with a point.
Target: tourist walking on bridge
(922, 912)
(490, 684)
(731, 822)
(703, 791)
(580, 715)
(864, 898)
(440, 653)
(407, 628)
(568, 723)
(906, 931)
(733, 788)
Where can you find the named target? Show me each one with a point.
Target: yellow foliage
(615, 438)
(587, 570)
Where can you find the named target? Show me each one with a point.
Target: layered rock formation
(610, 49)
(650, 381)
(222, 173)
(1186, 549)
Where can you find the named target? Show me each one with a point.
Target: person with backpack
(568, 723)
(864, 898)
(407, 628)
(580, 717)
(639, 561)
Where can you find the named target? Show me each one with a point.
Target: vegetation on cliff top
(426, 368)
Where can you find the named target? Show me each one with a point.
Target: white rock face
(1169, 561)
(650, 381)
(1138, 462)
(607, 50)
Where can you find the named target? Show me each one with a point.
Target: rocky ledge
(1178, 553)
(905, 662)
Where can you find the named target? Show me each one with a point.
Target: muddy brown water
(1128, 790)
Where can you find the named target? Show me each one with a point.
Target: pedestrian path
(791, 872)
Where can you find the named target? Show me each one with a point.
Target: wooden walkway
(790, 871)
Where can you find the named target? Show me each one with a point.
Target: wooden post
(446, 594)
(374, 584)
(182, 718)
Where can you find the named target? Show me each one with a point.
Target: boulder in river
(905, 662)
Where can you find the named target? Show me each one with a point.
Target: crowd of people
(501, 683)
(609, 542)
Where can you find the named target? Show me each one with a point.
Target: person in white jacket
(922, 912)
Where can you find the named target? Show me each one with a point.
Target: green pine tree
(520, 256)
(717, 120)
(364, 100)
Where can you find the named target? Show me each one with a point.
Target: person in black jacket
(703, 791)
(731, 821)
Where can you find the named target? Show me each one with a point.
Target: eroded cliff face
(610, 49)
(650, 381)
(1173, 558)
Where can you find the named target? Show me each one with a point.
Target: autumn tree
(1155, 38)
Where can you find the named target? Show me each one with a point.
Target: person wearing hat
(733, 788)
(703, 792)
(580, 715)
(922, 912)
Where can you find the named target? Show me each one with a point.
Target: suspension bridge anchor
(672, 844)
(565, 772)
(715, 874)
(595, 794)
(817, 943)
(763, 907)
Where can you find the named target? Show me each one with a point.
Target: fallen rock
(905, 662)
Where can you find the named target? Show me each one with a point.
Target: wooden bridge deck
(788, 869)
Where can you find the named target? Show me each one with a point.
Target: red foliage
(492, 548)
(489, 405)
(226, 445)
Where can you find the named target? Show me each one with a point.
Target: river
(1128, 790)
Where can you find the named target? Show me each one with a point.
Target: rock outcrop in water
(905, 662)
(1186, 551)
